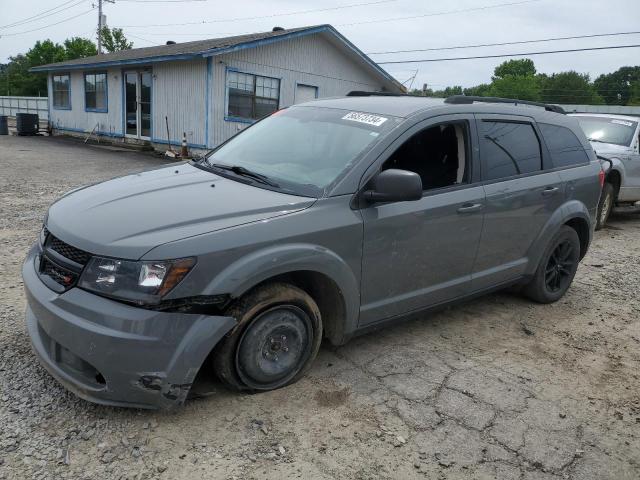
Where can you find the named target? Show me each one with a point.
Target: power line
(507, 55)
(46, 26)
(260, 17)
(436, 14)
(504, 43)
(44, 14)
(143, 39)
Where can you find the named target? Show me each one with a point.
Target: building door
(305, 93)
(137, 92)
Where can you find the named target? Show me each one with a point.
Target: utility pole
(101, 23)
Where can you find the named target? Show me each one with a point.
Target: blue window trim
(305, 85)
(231, 118)
(53, 97)
(106, 91)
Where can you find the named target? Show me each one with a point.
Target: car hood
(127, 216)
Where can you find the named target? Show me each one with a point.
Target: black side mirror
(395, 185)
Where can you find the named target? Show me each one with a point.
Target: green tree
(114, 40)
(615, 87)
(634, 97)
(524, 87)
(569, 87)
(515, 68)
(21, 82)
(15, 78)
(78, 47)
(482, 90)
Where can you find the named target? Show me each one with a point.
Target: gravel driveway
(495, 388)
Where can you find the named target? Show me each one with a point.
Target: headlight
(138, 282)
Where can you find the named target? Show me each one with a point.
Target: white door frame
(138, 74)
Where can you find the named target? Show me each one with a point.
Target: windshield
(608, 130)
(303, 149)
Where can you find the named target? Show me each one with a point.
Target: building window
(251, 96)
(61, 88)
(95, 92)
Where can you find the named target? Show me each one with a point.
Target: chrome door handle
(470, 208)
(549, 191)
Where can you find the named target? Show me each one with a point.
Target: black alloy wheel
(557, 267)
(559, 271)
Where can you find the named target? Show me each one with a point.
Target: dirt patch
(332, 398)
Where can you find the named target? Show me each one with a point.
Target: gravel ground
(494, 388)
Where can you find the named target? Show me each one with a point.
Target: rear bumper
(115, 354)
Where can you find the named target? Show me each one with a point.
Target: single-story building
(209, 89)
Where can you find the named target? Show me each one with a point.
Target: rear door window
(564, 146)
(508, 149)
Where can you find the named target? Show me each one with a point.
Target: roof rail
(468, 99)
(359, 93)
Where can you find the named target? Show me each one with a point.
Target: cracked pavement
(496, 388)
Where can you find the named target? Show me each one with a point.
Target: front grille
(61, 264)
(67, 251)
(62, 276)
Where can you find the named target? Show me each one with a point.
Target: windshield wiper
(245, 172)
(596, 140)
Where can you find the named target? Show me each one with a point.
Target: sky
(372, 25)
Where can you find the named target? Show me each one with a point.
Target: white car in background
(616, 138)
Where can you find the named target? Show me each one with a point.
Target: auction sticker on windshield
(367, 118)
(622, 122)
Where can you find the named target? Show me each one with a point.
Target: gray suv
(322, 221)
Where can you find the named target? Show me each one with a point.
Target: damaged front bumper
(115, 354)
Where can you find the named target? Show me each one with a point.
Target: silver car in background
(616, 138)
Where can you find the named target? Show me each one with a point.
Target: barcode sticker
(367, 118)
(622, 122)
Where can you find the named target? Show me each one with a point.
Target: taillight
(601, 176)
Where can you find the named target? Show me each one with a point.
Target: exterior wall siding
(77, 119)
(179, 93)
(311, 60)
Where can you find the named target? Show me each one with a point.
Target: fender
(566, 212)
(617, 165)
(252, 269)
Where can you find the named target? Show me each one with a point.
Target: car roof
(607, 115)
(395, 106)
(405, 106)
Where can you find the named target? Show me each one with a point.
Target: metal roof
(207, 48)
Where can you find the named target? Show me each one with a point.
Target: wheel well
(615, 179)
(582, 229)
(327, 295)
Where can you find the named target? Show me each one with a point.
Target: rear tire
(605, 205)
(557, 267)
(277, 337)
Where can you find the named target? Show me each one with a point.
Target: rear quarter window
(508, 149)
(564, 147)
